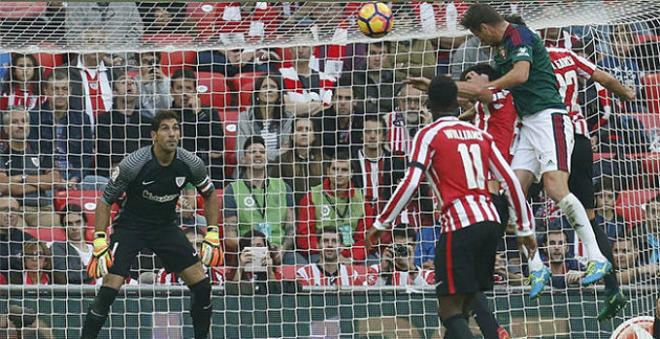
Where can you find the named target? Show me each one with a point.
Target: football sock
(98, 312)
(577, 217)
(201, 308)
(484, 317)
(457, 327)
(611, 283)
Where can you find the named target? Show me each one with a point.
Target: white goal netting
(82, 81)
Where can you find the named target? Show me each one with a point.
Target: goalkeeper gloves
(102, 257)
(211, 252)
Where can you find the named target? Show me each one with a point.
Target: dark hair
(246, 239)
(404, 230)
(154, 53)
(59, 73)
(314, 131)
(33, 82)
(163, 115)
(481, 69)
(71, 208)
(605, 184)
(376, 118)
(256, 101)
(479, 14)
(326, 229)
(185, 74)
(443, 95)
(255, 139)
(345, 81)
(515, 19)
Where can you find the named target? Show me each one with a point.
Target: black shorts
(582, 172)
(169, 244)
(465, 259)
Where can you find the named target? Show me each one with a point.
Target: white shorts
(544, 143)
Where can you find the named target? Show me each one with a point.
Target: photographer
(22, 322)
(258, 267)
(397, 265)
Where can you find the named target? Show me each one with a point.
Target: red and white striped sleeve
(585, 67)
(420, 159)
(504, 174)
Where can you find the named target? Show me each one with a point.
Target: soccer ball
(375, 19)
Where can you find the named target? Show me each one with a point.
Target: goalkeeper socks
(611, 283)
(457, 327)
(577, 217)
(484, 317)
(201, 308)
(98, 312)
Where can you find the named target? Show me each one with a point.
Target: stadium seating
(652, 92)
(230, 122)
(47, 234)
(212, 89)
(165, 39)
(48, 61)
(630, 204)
(243, 85)
(21, 9)
(172, 61)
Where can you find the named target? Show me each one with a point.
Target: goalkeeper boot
(596, 270)
(613, 304)
(537, 281)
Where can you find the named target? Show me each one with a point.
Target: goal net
(304, 124)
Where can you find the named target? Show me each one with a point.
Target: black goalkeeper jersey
(152, 190)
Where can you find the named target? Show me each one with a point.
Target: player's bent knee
(193, 274)
(113, 281)
(555, 184)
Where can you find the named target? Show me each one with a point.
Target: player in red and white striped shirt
(328, 271)
(457, 158)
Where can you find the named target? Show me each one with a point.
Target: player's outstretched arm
(613, 85)
(518, 75)
(474, 92)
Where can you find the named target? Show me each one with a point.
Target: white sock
(535, 263)
(577, 217)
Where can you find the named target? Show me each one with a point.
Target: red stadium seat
(230, 123)
(21, 9)
(47, 234)
(212, 89)
(652, 92)
(87, 201)
(204, 15)
(289, 272)
(49, 61)
(630, 204)
(243, 85)
(172, 61)
(599, 156)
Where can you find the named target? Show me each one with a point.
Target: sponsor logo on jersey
(635, 328)
(159, 198)
(522, 52)
(180, 181)
(35, 161)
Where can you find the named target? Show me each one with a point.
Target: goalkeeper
(152, 178)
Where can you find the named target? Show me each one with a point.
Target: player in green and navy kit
(543, 146)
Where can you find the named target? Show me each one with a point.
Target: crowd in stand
(317, 147)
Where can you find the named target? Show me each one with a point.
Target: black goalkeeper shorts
(582, 172)
(169, 244)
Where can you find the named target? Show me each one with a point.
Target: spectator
(90, 78)
(621, 64)
(565, 270)
(22, 323)
(123, 130)
(630, 268)
(413, 58)
(36, 265)
(61, 130)
(606, 216)
(201, 126)
(410, 115)
(196, 237)
(425, 249)
(506, 272)
(334, 203)
(375, 87)
(258, 202)
(345, 126)
(163, 17)
(154, 85)
(308, 92)
(11, 234)
(27, 172)
(22, 88)
(650, 231)
(300, 167)
(252, 277)
(468, 54)
(267, 117)
(374, 167)
(70, 257)
(232, 62)
(397, 262)
(328, 271)
(120, 21)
